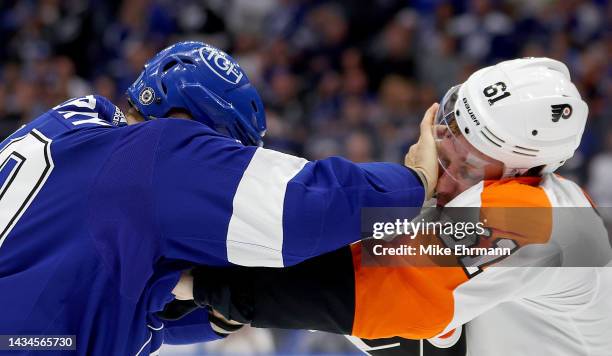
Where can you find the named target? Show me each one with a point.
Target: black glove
(226, 290)
(177, 309)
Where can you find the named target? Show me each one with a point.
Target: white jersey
(556, 311)
(510, 307)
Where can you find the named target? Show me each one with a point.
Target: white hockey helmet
(524, 113)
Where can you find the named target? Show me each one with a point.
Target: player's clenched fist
(422, 156)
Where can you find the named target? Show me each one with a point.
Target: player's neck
(133, 117)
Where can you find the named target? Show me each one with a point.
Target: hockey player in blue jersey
(99, 218)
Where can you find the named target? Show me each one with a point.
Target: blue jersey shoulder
(90, 109)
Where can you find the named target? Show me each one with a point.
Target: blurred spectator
(601, 167)
(393, 51)
(483, 31)
(359, 147)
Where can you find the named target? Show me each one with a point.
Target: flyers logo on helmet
(221, 64)
(561, 111)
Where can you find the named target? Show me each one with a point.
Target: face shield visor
(458, 159)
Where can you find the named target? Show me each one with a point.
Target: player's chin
(441, 200)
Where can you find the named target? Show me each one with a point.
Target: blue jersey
(97, 219)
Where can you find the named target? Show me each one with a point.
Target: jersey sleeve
(218, 201)
(90, 110)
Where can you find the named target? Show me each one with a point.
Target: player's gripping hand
(186, 300)
(422, 157)
(184, 288)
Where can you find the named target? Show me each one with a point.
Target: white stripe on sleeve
(255, 232)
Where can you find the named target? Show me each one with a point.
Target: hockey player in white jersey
(502, 134)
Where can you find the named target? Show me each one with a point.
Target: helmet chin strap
(516, 172)
(513, 172)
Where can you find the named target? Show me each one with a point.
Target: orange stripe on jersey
(517, 209)
(519, 192)
(410, 302)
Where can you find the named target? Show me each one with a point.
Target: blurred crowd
(345, 77)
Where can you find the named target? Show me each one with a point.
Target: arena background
(349, 78)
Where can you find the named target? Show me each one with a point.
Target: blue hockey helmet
(205, 82)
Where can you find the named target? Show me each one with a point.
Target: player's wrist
(425, 181)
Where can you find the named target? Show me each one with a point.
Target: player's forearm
(317, 294)
(323, 202)
(334, 293)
